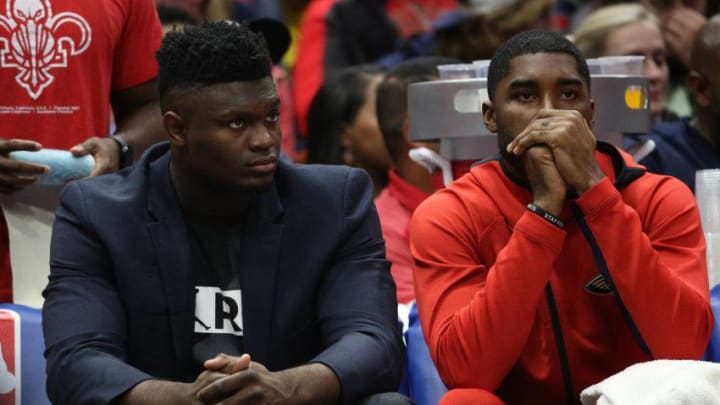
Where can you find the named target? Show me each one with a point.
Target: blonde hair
(591, 34)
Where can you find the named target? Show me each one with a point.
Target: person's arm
(139, 122)
(133, 92)
(355, 305)
(473, 312)
(657, 264)
(84, 321)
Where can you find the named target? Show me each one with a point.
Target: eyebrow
(570, 81)
(522, 83)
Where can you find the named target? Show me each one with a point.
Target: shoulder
(465, 203)
(321, 178)
(657, 197)
(322, 184)
(117, 190)
(670, 131)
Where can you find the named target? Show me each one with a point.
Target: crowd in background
(342, 69)
(330, 36)
(341, 49)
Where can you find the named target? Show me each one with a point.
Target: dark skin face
(225, 142)
(703, 84)
(542, 113)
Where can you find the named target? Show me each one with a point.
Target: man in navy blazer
(214, 271)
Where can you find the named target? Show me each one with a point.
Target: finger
(90, 146)
(16, 183)
(12, 167)
(229, 385)
(228, 364)
(217, 363)
(102, 165)
(532, 139)
(9, 145)
(540, 132)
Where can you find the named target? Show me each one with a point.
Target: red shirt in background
(59, 95)
(395, 206)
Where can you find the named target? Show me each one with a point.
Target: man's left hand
(250, 385)
(105, 151)
(568, 135)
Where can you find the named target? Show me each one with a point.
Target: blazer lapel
(260, 249)
(172, 250)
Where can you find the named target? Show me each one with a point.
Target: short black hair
(391, 101)
(334, 107)
(529, 42)
(211, 53)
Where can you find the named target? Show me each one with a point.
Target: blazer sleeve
(83, 317)
(356, 303)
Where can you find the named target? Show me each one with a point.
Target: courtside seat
(421, 379)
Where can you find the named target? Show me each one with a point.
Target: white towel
(659, 382)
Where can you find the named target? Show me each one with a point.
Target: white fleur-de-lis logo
(34, 41)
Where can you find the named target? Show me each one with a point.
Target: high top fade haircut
(211, 53)
(531, 42)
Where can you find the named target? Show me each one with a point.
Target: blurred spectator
(408, 182)
(59, 86)
(681, 21)
(691, 144)
(629, 29)
(340, 33)
(174, 18)
(343, 126)
(277, 35)
(195, 8)
(485, 24)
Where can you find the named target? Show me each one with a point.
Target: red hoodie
(512, 304)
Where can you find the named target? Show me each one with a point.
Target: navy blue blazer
(119, 306)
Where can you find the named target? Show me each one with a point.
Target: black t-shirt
(215, 246)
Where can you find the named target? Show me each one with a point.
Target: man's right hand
(546, 183)
(14, 175)
(159, 392)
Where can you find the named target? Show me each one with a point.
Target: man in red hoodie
(560, 262)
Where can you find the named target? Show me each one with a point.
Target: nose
(261, 138)
(548, 102)
(653, 71)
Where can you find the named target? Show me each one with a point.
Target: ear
(488, 111)
(175, 128)
(699, 88)
(591, 119)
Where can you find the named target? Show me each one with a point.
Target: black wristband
(546, 215)
(125, 152)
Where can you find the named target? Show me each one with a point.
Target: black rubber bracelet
(546, 215)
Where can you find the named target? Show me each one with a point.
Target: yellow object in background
(635, 97)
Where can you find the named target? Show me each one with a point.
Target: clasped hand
(238, 380)
(558, 148)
